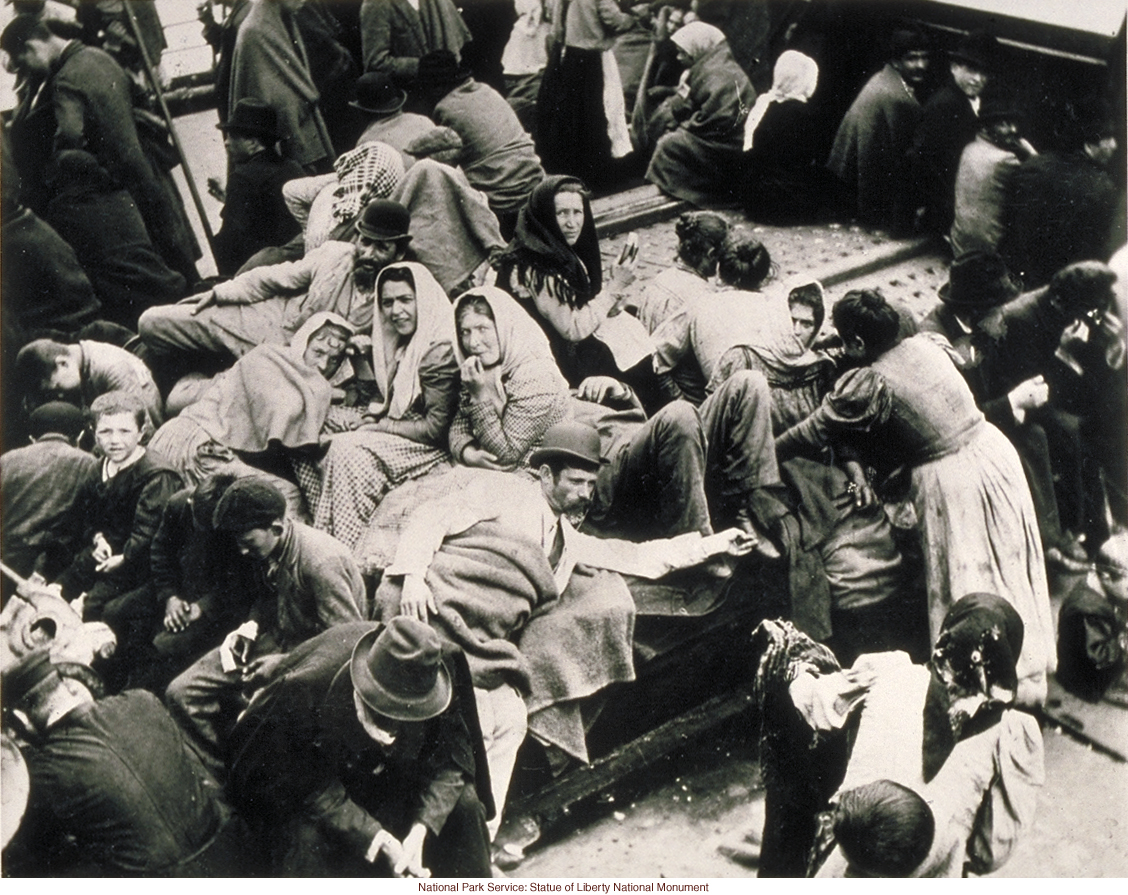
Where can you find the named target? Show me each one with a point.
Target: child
(123, 507)
(883, 829)
(85, 371)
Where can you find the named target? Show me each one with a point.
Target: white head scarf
(697, 38)
(795, 77)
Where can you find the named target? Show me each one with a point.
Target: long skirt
(355, 474)
(981, 536)
(695, 170)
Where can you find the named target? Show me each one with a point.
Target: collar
(284, 546)
(111, 469)
(52, 436)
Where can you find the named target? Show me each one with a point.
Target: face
(326, 349)
(67, 376)
(259, 543)
(240, 147)
(684, 59)
(570, 493)
(35, 57)
(398, 308)
(803, 322)
(376, 254)
(971, 81)
(1002, 132)
(477, 335)
(569, 216)
(913, 66)
(117, 435)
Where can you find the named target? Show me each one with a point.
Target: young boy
(82, 372)
(122, 509)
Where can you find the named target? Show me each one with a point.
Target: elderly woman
(554, 269)
(274, 397)
(404, 431)
(699, 159)
(909, 406)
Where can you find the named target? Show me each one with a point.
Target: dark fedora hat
(440, 68)
(384, 219)
(28, 673)
(979, 50)
(398, 671)
(569, 440)
(253, 117)
(979, 279)
(999, 107)
(377, 94)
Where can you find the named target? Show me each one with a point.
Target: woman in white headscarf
(699, 159)
(783, 177)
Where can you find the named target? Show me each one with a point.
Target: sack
(156, 139)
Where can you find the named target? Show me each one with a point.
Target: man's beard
(364, 275)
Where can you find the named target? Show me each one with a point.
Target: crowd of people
(379, 505)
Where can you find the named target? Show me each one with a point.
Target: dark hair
(744, 262)
(808, 295)
(207, 495)
(36, 361)
(573, 185)
(479, 304)
(884, 828)
(119, 402)
(700, 232)
(866, 314)
(558, 464)
(395, 275)
(19, 31)
(907, 40)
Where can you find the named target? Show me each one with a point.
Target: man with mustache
(266, 305)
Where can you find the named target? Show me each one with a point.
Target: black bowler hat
(399, 672)
(571, 441)
(385, 220)
(377, 94)
(28, 673)
(979, 50)
(253, 118)
(979, 279)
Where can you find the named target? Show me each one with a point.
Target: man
(438, 586)
(498, 156)
(114, 777)
(90, 98)
(254, 213)
(307, 582)
(362, 757)
(270, 63)
(39, 485)
(381, 101)
(869, 151)
(949, 122)
(983, 178)
(266, 305)
(395, 34)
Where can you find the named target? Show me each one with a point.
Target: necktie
(557, 549)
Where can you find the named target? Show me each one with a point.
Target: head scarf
(371, 171)
(539, 245)
(973, 674)
(299, 342)
(396, 367)
(795, 78)
(697, 38)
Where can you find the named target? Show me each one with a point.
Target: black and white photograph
(572, 446)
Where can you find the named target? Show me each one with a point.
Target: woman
(554, 269)
(783, 181)
(273, 397)
(909, 406)
(699, 159)
(405, 429)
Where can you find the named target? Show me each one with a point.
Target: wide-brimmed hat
(979, 279)
(979, 50)
(377, 94)
(439, 68)
(384, 219)
(398, 671)
(569, 440)
(254, 118)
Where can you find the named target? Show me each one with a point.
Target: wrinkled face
(259, 543)
(913, 66)
(375, 254)
(398, 308)
(35, 58)
(570, 493)
(117, 435)
(970, 80)
(67, 376)
(569, 215)
(326, 349)
(477, 335)
(803, 322)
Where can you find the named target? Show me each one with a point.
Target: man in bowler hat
(381, 102)
(363, 757)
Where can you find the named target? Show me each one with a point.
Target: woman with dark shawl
(908, 406)
(405, 429)
(699, 159)
(554, 269)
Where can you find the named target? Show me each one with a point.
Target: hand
(411, 860)
(201, 301)
(731, 542)
(417, 601)
(859, 486)
(361, 343)
(102, 548)
(1030, 395)
(622, 276)
(216, 190)
(384, 843)
(474, 376)
(179, 614)
(597, 389)
(472, 455)
(109, 564)
(258, 672)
